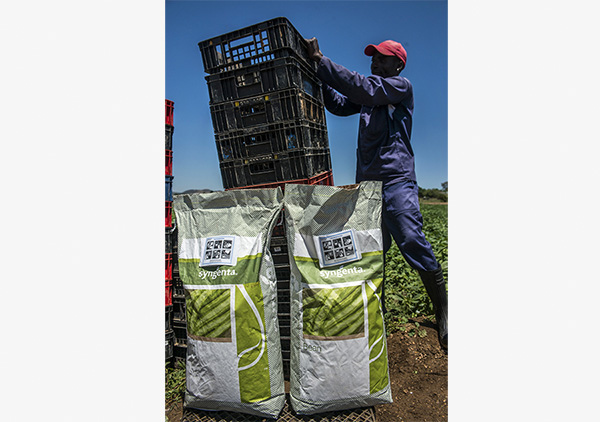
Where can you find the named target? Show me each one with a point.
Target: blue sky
(343, 29)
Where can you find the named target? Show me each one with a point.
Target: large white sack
(233, 346)
(338, 343)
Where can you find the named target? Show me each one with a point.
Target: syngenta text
(340, 272)
(214, 274)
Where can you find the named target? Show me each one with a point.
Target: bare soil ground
(419, 378)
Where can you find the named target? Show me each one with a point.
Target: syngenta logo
(214, 274)
(340, 272)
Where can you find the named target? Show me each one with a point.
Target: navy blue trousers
(403, 222)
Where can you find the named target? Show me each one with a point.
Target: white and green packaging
(233, 347)
(338, 344)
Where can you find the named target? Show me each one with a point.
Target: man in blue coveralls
(385, 103)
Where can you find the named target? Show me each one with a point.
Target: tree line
(439, 194)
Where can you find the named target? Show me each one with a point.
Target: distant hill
(190, 191)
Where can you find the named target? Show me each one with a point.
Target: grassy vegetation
(174, 383)
(405, 296)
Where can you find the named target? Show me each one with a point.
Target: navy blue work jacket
(385, 105)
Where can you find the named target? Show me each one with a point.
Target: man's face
(385, 66)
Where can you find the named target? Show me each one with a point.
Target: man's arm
(365, 90)
(335, 103)
(338, 104)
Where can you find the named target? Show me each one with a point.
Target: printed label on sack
(218, 250)
(337, 248)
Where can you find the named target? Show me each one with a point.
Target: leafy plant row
(405, 295)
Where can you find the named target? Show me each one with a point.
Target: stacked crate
(170, 257)
(179, 316)
(268, 117)
(266, 106)
(174, 297)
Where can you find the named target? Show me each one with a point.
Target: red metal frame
(325, 178)
(168, 294)
(169, 107)
(168, 213)
(168, 162)
(168, 266)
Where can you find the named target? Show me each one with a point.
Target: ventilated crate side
(263, 78)
(169, 343)
(266, 109)
(178, 291)
(168, 318)
(168, 240)
(270, 139)
(254, 44)
(301, 164)
(180, 331)
(179, 315)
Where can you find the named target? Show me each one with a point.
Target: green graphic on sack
(253, 363)
(333, 314)
(209, 314)
(378, 363)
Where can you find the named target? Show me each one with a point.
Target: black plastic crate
(169, 344)
(169, 136)
(180, 352)
(279, 228)
(283, 296)
(280, 254)
(282, 273)
(283, 284)
(180, 331)
(280, 167)
(284, 325)
(285, 136)
(283, 307)
(279, 250)
(168, 318)
(168, 240)
(285, 345)
(253, 44)
(178, 291)
(265, 109)
(263, 78)
(179, 316)
(174, 241)
(175, 265)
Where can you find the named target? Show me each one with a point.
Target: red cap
(387, 48)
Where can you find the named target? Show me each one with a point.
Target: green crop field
(405, 295)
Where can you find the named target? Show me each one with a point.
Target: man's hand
(313, 50)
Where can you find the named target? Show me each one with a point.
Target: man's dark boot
(436, 289)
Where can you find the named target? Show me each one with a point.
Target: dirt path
(419, 376)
